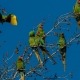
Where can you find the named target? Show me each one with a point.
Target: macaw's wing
(12, 19)
(2, 19)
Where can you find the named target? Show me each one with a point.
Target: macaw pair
(37, 41)
(20, 65)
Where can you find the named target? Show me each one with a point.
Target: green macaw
(20, 64)
(20, 68)
(62, 48)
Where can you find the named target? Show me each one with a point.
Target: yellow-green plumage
(20, 64)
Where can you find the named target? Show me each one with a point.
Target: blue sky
(30, 13)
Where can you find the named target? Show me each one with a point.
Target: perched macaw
(40, 34)
(62, 48)
(20, 67)
(41, 42)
